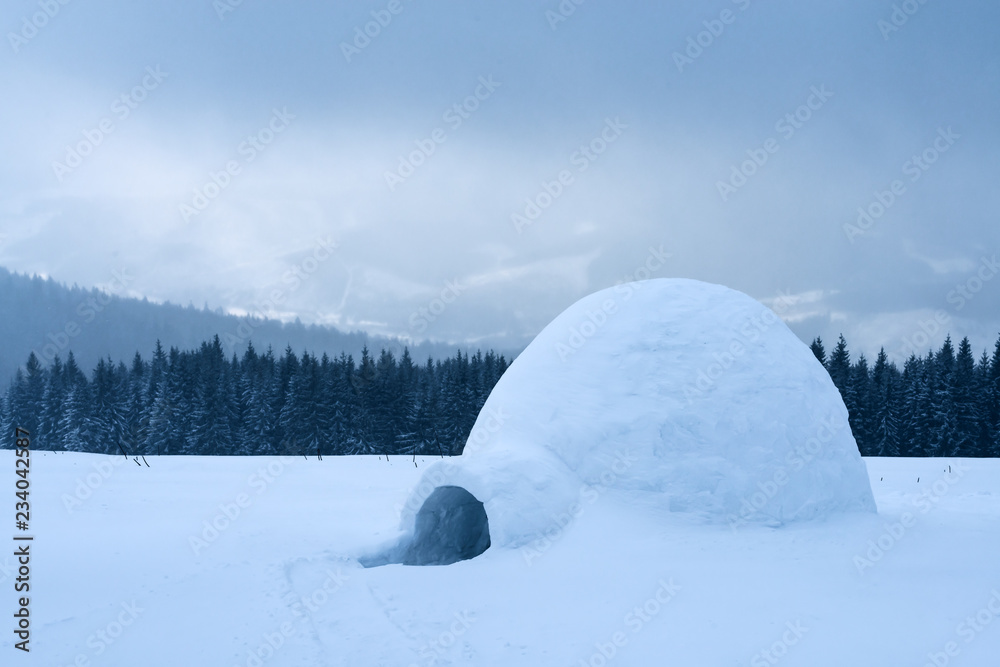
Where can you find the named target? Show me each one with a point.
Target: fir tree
(884, 407)
(839, 366)
(963, 400)
(858, 402)
(818, 350)
(52, 408)
(992, 410)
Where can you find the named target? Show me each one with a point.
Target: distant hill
(49, 318)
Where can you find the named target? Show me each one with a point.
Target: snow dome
(685, 396)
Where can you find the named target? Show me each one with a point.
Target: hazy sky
(275, 157)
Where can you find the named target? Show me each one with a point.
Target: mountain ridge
(50, 318)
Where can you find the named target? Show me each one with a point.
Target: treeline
(944, 404)
(198, 402)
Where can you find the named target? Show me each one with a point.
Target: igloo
(688, 397)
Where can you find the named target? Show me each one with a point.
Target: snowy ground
(116, 578)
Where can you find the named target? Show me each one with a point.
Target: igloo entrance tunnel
(451, 525)
(684, 396)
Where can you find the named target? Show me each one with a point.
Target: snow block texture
(683, 396)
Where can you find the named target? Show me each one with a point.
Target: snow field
(116, 581)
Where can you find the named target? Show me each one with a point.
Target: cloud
(782, 231)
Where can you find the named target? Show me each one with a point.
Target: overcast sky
(230, 153)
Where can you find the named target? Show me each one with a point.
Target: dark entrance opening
(450, 526)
